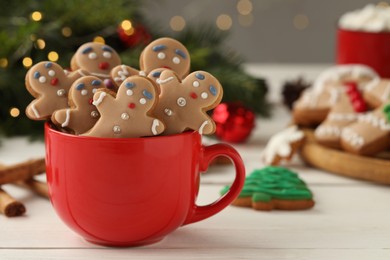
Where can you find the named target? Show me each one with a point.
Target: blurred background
(272, 31)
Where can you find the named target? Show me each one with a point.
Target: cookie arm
(35, 111)
(62, 117)
(102, 100)
(205, 126)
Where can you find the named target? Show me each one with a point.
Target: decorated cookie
(96, 58)
(128, 113)
(315, 103)
(81, 114)
(274, 188)
(370, 134)
(349, 105)
(377, 92)
(49, 84)
(182, 105)
(282, 145)
(166, 53)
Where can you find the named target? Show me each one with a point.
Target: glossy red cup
(371, 49)
(132, 191)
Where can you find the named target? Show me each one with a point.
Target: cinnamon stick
(9, 206)
(38, 187)
(22, 171)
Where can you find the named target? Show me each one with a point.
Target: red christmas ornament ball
(234, 122)
(138, 35)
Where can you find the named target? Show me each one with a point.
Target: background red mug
(371, 49)
(133, 191)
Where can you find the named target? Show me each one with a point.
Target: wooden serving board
(373, 169)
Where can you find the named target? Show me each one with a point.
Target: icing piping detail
(100, 99)
(67, 119)
(203, 126)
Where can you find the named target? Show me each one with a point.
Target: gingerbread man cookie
(314, 104)
(370, 134)
(183, 105)
(82, 114)
(166, 53)
(49, 84)
(128, 114)
(96, 58)
(349, 105)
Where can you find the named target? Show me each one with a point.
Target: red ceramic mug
(371, 49)
(132, 191)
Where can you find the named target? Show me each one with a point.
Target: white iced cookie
(282, 145)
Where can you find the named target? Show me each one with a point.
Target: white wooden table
(351, 219)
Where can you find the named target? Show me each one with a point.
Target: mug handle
(207, 155)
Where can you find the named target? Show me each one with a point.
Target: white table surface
(351, 219)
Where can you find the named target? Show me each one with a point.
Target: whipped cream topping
(372, 18)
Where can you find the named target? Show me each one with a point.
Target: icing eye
(107, 55)
(176, 60)
(159, 47)
(196, 84)
(199, 76)
(156, 74)
(130, 84)
(161, 55)
(142, 101)
(213, 90)
(92, 55)
(96, 82)
(52, 73)
(129, 92)
(181, 53)
(80, 86)
(147, 94)
(84, 92)
(42, 79)
(37, 75)
(94, 90)
(204, 95)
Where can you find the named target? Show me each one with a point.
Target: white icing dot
(94, 114)
(94, 90)
(204, 95)
(181, 101)
(107, 55)
(129, 92)
(176, 60)
(142, 73)
(52, 73)
(168, 112)
(61, 92)
(125, 116)
(84, 92)
(195, 83)
(142, 101)
(42, 79)
(161, 55)
(116, 129)
(92, 55)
